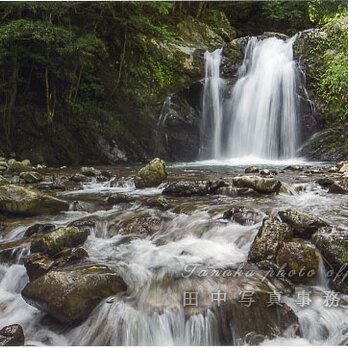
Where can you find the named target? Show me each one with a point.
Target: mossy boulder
(18, 200)
(304, 224)
(151, 175)
(300, 260)
(332, 242)
(257, 183)
(54, 242)
(12, 335)
(38, 264)
(3, 181)
(15, 166)
(269, 239)
(70, 295)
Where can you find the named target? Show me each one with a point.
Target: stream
(191, 232)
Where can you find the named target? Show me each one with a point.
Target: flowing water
(261, 117)
(212, 116)
(190, 233)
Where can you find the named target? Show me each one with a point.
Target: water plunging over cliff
(212, 103)
(262, 114)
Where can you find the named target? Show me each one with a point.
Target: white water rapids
(261, 116)
(152, 312)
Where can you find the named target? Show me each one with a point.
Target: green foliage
(331, 69)
(322, 12)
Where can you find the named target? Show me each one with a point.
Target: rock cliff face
(322, 55)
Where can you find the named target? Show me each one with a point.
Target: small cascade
(212, 117)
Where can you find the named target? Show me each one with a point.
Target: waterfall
(212, 104)
(261, 117)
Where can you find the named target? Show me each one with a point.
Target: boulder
(38, 229)
(269, 239)
(265, 172)
(69, 295)
(339, 187)
(78, 177)
(12, 335)
(243, 215)
(54, 242)
(187, 188)
(15, 166)
(31, 177)
(3, 166)
(142, 225)
(38, 264)
(233, 191)
(88, 171)
(343, 166)
(3, 181)
(88, 223)
(325, 182)
(304, 224)
(294, 168)
(118, 198)
(332, 242)
(157, 202)
(252, 169)
(151, 175)
(300, 260)
(259, 184)
(22, 201)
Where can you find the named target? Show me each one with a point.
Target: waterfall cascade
(212, 102)
(261, 116)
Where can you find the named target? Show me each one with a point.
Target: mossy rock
(333, 245)
(18, 200)
(269, 239)
(70, 295)
(54, 242)
(304, 224)
(300, 260)
(257, 183)
(151, 175)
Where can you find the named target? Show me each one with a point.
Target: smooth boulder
(187, 189)
(257, 183)
(22, 201)
(151, 175)
(69, 295)
(339, 187)
(54, 242)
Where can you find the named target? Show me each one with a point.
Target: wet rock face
(301, 260)
(54, 242)
(259, 184)
(151, 175)
(269, 239)
(69, 295)
(333, 245)
(21, 201)
(304, 224)
(12, 335)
